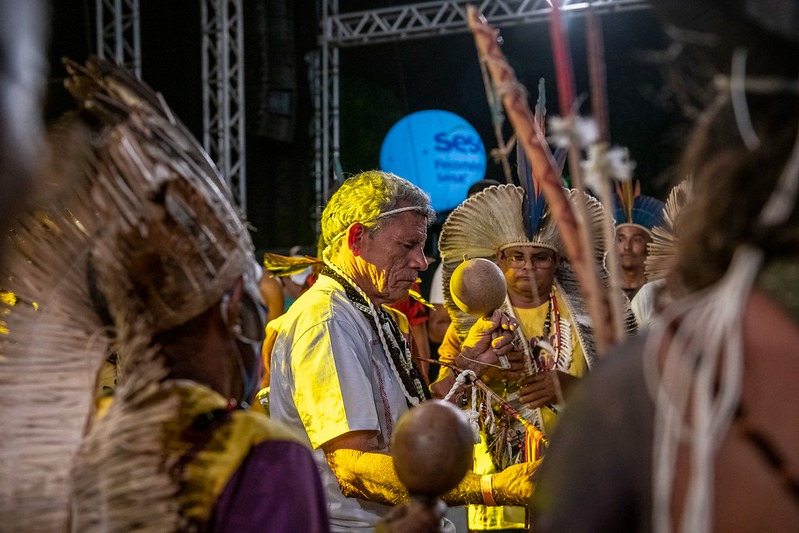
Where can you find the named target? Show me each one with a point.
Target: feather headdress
(493, 220)
(284, 265)
(634, 208)
(662, 250)
(143, 238)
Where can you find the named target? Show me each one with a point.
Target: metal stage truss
(224, 136)
(398, 23)
(118, 38)
(118, 32)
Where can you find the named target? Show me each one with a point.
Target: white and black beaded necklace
(394, 344)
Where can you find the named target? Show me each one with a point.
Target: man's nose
(419, 259)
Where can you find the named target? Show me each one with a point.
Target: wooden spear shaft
(530, 137)
(563, 67)
(596, 75)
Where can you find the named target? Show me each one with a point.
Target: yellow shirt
(569, 350)
(571, 360)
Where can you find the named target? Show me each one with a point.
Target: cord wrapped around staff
(535, 443)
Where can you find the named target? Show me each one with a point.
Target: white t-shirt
(327, 370)
(644, 303)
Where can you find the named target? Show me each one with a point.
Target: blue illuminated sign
(439, 152)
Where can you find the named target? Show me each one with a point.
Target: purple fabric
(276, 489)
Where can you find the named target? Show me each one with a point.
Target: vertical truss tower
(223, 92)
(118, 38)
(117, 32)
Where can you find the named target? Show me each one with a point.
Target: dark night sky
(380, 84)
(443, 72)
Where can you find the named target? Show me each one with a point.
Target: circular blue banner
(439, 152)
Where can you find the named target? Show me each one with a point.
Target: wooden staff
(563, 69)
(596, 75)
(530, 137)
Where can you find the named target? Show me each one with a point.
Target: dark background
(380, 83)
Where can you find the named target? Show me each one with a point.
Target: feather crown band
(490, 220)
(494, 219)
(633, 208)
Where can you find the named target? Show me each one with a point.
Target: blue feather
(646, 211)
(534, 202)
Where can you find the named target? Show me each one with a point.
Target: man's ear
(355, 236)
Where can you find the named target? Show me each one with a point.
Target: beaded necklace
(394, 344)
(509, 440)
(553, 315)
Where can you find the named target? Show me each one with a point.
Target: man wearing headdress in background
(554, 346)
(696, 421)
(342, 370)
(635, 215)
(661, 287)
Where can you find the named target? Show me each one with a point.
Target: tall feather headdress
(140, 236)
(493, 220)
(662, 251)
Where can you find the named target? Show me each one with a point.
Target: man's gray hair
(372, 198)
